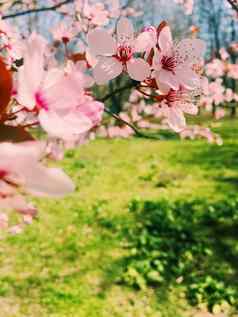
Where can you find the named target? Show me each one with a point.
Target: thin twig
(43, 9)
(138, 133)
(29, 125)
(234, 4)
(117, 91)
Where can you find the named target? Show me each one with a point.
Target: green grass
(67, 264)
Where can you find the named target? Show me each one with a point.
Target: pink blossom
(91, 109)
(96, 14)
(229, 95)
(10, 42)
(215, 68)
(20, 166)
(174, 64)
(173, 108)
(119, 132)
(21, 172)
(148, 39)
(53, 94)
(16, 229)
(27, 219)
(63, 32)
(54, 149)
(235, 96)
(114, 57)
(196, 131)
(224, 54)
(219, 114)
(216, 91)
(232, 71)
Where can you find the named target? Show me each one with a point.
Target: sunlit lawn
(69, 261)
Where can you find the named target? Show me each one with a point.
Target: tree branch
(138, 133)
(43, 9)
(234, 4)
(132, 84)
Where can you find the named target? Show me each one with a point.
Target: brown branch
(43, 9)
(30, 125)
(138, 133)
(132, 84)
(234, 4)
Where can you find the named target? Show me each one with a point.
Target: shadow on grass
(188, 244)
(210, 156)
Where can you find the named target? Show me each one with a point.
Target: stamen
(172, 96)
(168, 63)
(124, 53)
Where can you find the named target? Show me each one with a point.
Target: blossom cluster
(49, 85)
(220, 90)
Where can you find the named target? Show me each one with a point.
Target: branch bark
(38, 10)
(234, 4)
(138, 133)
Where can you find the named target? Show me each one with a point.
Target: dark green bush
(193, 244)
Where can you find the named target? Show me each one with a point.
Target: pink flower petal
(190, 50)
(144, 42)
(163, 88)
(64, 91)
(189, 108)
(176, 119)
(42, 181)
(33, 68)
(187, 77)
(64, 126)
(138, 69)
(17, 229)
(91, 58)
(168, 78)
(165, 40)
(101, 43)
(106, 69)
(93, 110)
(125, 31)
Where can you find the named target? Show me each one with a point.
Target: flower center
(172, 97)
(65, 39)
(41, 102)
(168, 63)
(124, 53)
